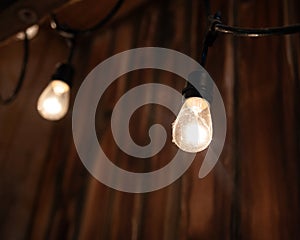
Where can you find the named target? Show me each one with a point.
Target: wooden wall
(252, 193)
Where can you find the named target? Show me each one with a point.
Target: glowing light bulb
(192, 129)
(54, 101)
(31, 32)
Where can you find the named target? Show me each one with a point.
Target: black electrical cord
(5, 101)
(209, 39)
(66, 30)
(65, 70)
(216, 26)
(71, 43)
(250, 32)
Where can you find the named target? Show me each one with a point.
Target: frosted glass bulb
(53, 103)
(192, 129)
(31, 32)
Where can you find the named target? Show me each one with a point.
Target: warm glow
(192, 129)
(53, 103)
(60, 87)
(31, 32)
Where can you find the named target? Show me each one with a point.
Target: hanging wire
(210, 37)
(71, 34)
(216, 26)
(250, 32)
(71, 31)
(71, 43)
(5, 101)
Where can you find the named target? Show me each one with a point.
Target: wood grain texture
(253, 191)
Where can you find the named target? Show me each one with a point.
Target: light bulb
(31, 32)
(53, 103)
(192, 129)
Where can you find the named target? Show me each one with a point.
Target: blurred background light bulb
(53, 103)
(31, 32)
(192, 129)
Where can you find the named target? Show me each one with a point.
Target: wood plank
(265, 198)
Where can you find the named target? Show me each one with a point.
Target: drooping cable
(68, 30)
(262, 32)
(216, 26)
(5, 101)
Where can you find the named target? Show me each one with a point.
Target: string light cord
(262, 32)
(5, 101)
(215, 26)
(71, 42)
(66, 70)
(68, 31)
(209, 39)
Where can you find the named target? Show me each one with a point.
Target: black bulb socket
(199, 85)
(65, 73)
